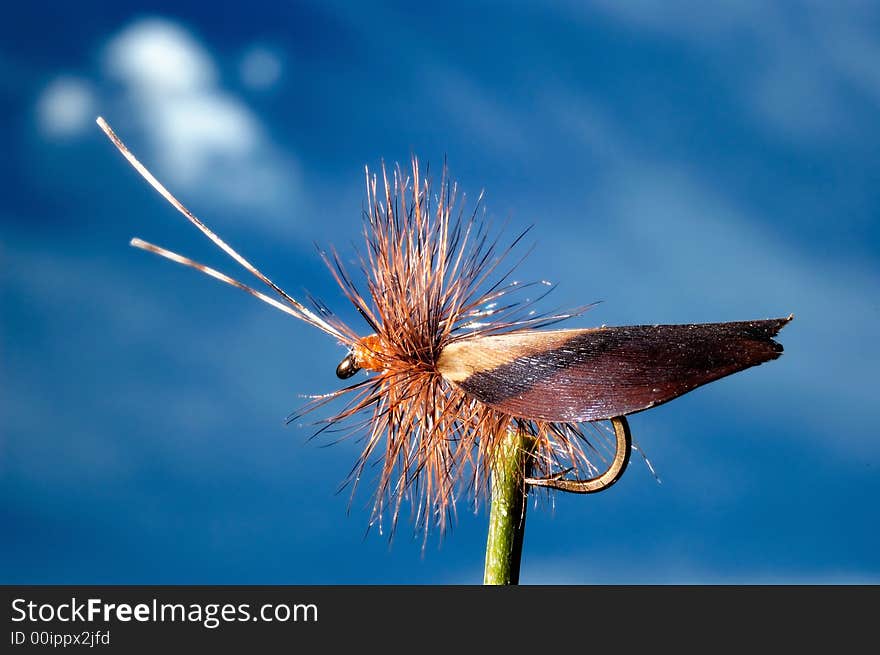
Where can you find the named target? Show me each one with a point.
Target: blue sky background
(681, 162)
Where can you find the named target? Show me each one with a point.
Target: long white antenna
(207, 270)
(298, 309)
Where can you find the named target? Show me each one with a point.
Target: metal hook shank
(623, 440)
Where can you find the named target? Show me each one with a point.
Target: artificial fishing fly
(457, 357)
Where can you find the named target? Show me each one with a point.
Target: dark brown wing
(593, 374)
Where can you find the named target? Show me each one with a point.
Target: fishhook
(623, 440)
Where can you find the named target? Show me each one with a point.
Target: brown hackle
(432, 274)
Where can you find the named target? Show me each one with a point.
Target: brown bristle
(429, 270)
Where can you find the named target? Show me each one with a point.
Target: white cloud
(260, 68)
(793, 70)
(480, 114)
(65, 107)
(197, 130)
(160, 56)
(698, 22)
(853, 51)
(202, 139)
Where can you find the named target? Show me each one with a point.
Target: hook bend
(623, 440)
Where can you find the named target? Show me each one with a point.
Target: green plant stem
(507, 513)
